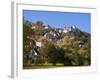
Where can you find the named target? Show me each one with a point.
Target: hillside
(68, 45)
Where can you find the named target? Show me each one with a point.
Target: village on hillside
(51, 35)
(45, 46)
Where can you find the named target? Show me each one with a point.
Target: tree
(39, 25)
(26, 32)
(85, 54)
(71, 48)
(55, 55)
(60, 55)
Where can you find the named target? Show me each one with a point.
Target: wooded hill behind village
(46, 45)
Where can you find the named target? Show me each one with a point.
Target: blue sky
(60, 19)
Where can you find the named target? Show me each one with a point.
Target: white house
(39, 44)
(65, 30)
(33, 27)
(46, 27)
